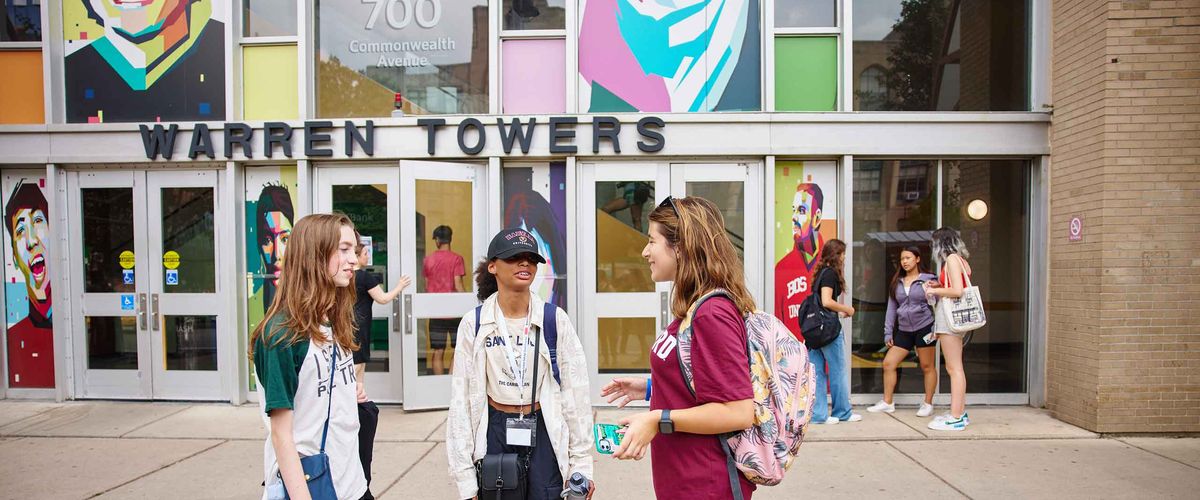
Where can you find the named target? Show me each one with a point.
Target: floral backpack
(784, 387)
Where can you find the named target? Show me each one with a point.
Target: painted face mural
(806, 219)
(539, 206)
(274, 225)
(669, 55)
(27, 292)
(144, 60)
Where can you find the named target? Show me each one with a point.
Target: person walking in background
(952, 256)
(688, 246)
(829, 284)
(909, 319)
(518, 360)
(303, 363)
(368, 291)
(443, 270)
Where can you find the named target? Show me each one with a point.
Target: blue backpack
(549, 331)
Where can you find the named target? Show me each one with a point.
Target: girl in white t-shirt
(304, 346)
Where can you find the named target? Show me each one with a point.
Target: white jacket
(566, 409)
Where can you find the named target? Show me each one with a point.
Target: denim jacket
(912, 312)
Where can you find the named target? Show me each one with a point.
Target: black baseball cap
(512, 242)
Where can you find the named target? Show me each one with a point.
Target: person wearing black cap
(504, 398)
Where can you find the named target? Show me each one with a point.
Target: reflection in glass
(366, 205)
(941, 55)
(805, 13)
(444, 230)
(380, 354)
(994, 358)
(730, 198)
(436, 339)
(622, 217)
(21, 21)
(190, 342)
(534, 14)
(625, 344)
(895, 207)
(269, 18)
(187, 231)
(367, 52)
(535, 198)
(108, 251)
(111, 342)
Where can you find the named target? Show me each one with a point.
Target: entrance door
(370, 196)
(444, 235)
(144, 258)
(726, 186)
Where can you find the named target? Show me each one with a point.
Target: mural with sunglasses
(672, 56)
(805, 218)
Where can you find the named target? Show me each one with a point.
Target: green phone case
(607, 438)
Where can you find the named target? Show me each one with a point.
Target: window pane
(21, 20)
(437, 58)
(535, 198)
(622, 216)
(533, 80)
(380, 348)
(444, 236)
(941, 55)
(729, 197)
(436, 340)
(535, 14)
(806, 73)
(108, 255)
(190, 342)
(625, 344)
(111, 342)
(269, 17)
(896, 209)
(188, 239)
(805, 13)
(994, 358)
(366, 205)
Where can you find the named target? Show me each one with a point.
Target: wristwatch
(665, 424)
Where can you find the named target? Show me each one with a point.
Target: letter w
(160, 141)
(523, 134)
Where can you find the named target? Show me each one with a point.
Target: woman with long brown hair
(302, 353)
(829, 284)
(688, 246)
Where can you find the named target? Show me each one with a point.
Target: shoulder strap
(478, 312)
(550, 331)
(537, 349)
(329, 408)
(686, 324)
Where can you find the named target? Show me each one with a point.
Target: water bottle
(577, 487)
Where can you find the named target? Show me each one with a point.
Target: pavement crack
(1158, 454)
(143, 426)
(407, 470)
(935, 474)
(164, 467)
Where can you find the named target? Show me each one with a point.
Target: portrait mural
(805, 218)
(270, 213)
(27, 284)
(536, 200)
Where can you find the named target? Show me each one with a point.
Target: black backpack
(819, 325)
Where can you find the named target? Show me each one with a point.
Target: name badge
(520, 431)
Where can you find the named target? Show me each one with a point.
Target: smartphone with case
(608, 437)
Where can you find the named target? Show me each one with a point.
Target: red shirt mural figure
(793, 273)
(30, 339)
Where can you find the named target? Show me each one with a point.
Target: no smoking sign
(1075, 229)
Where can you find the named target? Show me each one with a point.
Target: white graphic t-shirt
(505, 349)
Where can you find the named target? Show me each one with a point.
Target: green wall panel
(806, 73)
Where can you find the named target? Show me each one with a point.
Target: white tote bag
(965, 313)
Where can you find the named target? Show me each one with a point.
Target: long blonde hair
(307, 296)
(707, 259)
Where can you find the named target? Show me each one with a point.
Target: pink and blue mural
(669, 55)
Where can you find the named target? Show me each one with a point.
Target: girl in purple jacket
(909, 319)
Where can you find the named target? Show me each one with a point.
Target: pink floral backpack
(784, 385)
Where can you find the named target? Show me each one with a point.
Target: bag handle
(965, 271)
(329, 409)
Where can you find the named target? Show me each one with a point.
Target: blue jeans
(834, 355)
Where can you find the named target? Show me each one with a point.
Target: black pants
(368, 421)
(544, 481)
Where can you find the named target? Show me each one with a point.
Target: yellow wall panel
(269, 75)
(21, 97)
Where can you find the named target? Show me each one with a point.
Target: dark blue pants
(544, 481)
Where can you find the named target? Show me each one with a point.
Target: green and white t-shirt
(296, 377)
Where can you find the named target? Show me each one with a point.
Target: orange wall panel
(22, 99)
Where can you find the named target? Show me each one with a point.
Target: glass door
(620, 302)
(443, 210)
(370, 196)
(726, 186)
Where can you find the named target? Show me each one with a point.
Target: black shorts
(908, 340)
(363, 337)
(442, 332)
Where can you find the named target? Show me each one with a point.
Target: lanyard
(510, 354)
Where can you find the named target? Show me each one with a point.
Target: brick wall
(1123, 349)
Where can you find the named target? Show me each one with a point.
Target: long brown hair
(306, 295)
(831, 257)
(707, 259)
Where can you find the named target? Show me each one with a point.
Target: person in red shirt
(31, 340)
(444, 271)
(688, 245)
(793, 273)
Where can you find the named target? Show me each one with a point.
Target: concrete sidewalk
(182, 451)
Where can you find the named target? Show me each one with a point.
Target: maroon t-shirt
(686, 465)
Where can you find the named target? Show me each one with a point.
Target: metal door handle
(141, 311)
(664, 302)
(408, 314)
(154, 317)
(395, 316)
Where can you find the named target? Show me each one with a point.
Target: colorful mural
(160, 60)
(535, 198)
(270, 212)
(664, 55)
(27, 284)
(805, 218)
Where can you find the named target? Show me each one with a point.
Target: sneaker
(831, 421)
(854, 417)
(882, 406)
(950, 424)
(925, 410)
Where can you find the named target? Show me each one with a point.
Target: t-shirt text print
(504, 385)
(664, 344)
(343, 373)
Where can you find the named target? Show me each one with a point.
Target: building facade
(156, 156)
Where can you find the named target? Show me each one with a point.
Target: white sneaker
(925, 410)
(882, 406)
(854, 417)
(831, 421)
(950, 424)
